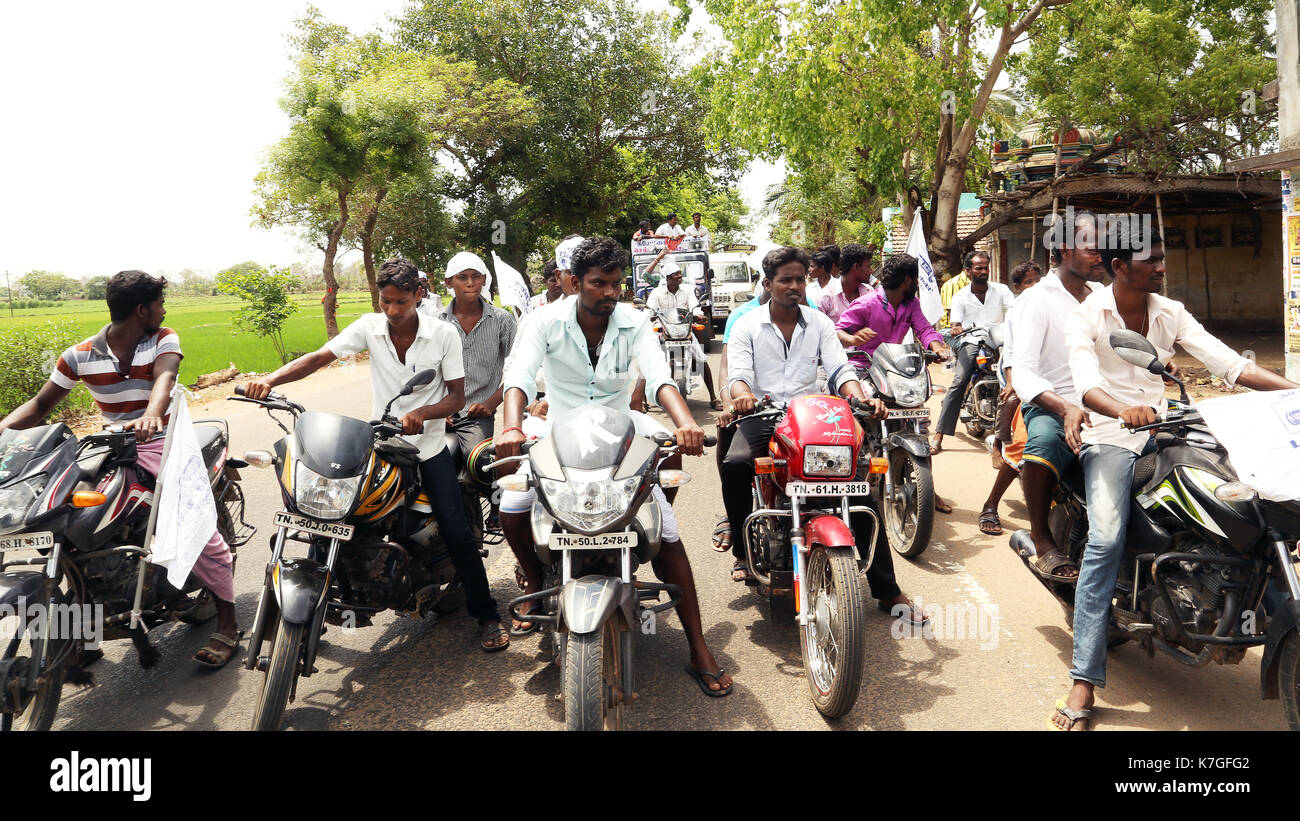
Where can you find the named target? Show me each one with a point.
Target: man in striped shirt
(130, 367)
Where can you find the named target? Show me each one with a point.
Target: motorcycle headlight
(17, 499)
(590, 499)
(828, 460)
(319, 496)
(907, 392)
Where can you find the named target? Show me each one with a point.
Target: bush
(29, 355)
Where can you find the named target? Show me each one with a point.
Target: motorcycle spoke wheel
(833, 638)
(38, 714)
(909, 513)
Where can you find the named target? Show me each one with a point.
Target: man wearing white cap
(430, 303)
(486, 335)
(667, 298)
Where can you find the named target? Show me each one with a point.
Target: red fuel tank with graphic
(818, 439)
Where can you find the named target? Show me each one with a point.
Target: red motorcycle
(798, 540)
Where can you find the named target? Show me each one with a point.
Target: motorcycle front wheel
(593, 679)
(909, 515)
(280, 676)
(1288, 683)
(833, 640)
(38, 715)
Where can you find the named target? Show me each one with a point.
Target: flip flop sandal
(1073, 716)
(722, 537)
(990, 517)
(935, 449)
(489, 632)
(716, 404)
(909, 616)
(1047, 564)
(533, 626)
(223, 656)
(747, 578)
(699, 675)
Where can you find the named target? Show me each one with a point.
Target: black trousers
(950, 411)
(439, 478)
(750, 441)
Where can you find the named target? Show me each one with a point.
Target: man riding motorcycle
(1117, 391)
(774, 352)
(668, 297)
(588, 346)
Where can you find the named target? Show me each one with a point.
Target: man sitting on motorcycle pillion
(1116, 390)
(130, 368)
(774, 351)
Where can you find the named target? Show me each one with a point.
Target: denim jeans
(1108, 479)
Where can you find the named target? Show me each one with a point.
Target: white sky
(131, 131)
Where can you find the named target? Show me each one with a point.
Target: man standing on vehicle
(403, 341)
(671, 228)
(855, 263)
(1040, 375)
(588, 346)
(667, 299)
(130, 368)
(697, 230)
(1117, 391)
(774, 352)
(983, 304)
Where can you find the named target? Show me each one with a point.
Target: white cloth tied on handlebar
(1261, 432)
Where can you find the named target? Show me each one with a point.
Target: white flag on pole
(927, 285)
(187, 515)
(513, 287)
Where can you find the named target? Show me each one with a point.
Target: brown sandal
(220, 657)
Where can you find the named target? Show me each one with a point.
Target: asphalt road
(1003, 669)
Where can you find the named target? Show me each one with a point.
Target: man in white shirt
(589, 345)
(671, 228)
(1040, 375)
(774, 351)
(403, 341)
(1117, 391)
(429, 301)
(667, 298)
(697, 230)
(819, 275)
(552, 292)
(981, 303)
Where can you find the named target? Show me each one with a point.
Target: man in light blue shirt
(588, 346)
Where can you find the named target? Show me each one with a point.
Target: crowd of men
(581, 343)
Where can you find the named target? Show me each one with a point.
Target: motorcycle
(83, 507)
(476, 487)
(979, 406)
(352, 495)
(675, 335)
(898, 376)
(799, 542)
(593, 524)
(1201, 551)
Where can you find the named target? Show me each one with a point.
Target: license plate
(679, 344)
(828, 489)
(909, 413)
(27, 541)
(601, 541)
(335, 531)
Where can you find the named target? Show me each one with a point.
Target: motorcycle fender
(912, 443)
(828, 531)
(20, 585)
(300, 588)
(1282, 623)
(587, 603)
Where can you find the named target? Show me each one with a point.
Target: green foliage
(49, 285)
(96, 287)
(265, 293)
(29, 354)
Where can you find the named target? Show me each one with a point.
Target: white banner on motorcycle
(512, 287)
(187, 515)
(928, 287)
(1261, 432)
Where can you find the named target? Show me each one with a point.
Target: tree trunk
(368, 247)
(331, 300)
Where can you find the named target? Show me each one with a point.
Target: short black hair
(399, 273)
(549, 269)
(969, 260)
(1109, 255)
(897, 269)
(672, 216)
(784, 255)
(834, 251)
(645, 224)
(824, 259)
(1022, 270)
(852, 254)
(127, 290)
(601, 253)
(1079, 216)
(697, 214)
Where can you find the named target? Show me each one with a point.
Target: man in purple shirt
(855, 262)
(886, 315)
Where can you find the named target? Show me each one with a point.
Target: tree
(265, 293)
(97, 287)
(49, 285)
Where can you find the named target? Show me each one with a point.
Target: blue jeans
(1108, 479)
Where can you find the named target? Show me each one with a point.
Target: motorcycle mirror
(421, 379)
(1135, 349)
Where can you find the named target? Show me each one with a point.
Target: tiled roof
(967, 222)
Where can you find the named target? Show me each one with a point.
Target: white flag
(927, 286)
(187, 515)
(513, 288)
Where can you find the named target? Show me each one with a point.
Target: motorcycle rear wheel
(281, 674)
(909, 517)
(593, 680)
(1288, 683)
(834, 644)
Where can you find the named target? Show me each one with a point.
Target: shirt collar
(99, 343)
(766, 316)
(446, 310)
(424, 329)
(1157, 305)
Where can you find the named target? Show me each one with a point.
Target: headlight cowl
(828, 460)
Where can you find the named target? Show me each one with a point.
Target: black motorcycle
(83, 508)
(352, 496)
(979, 405)
(1202, 551)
